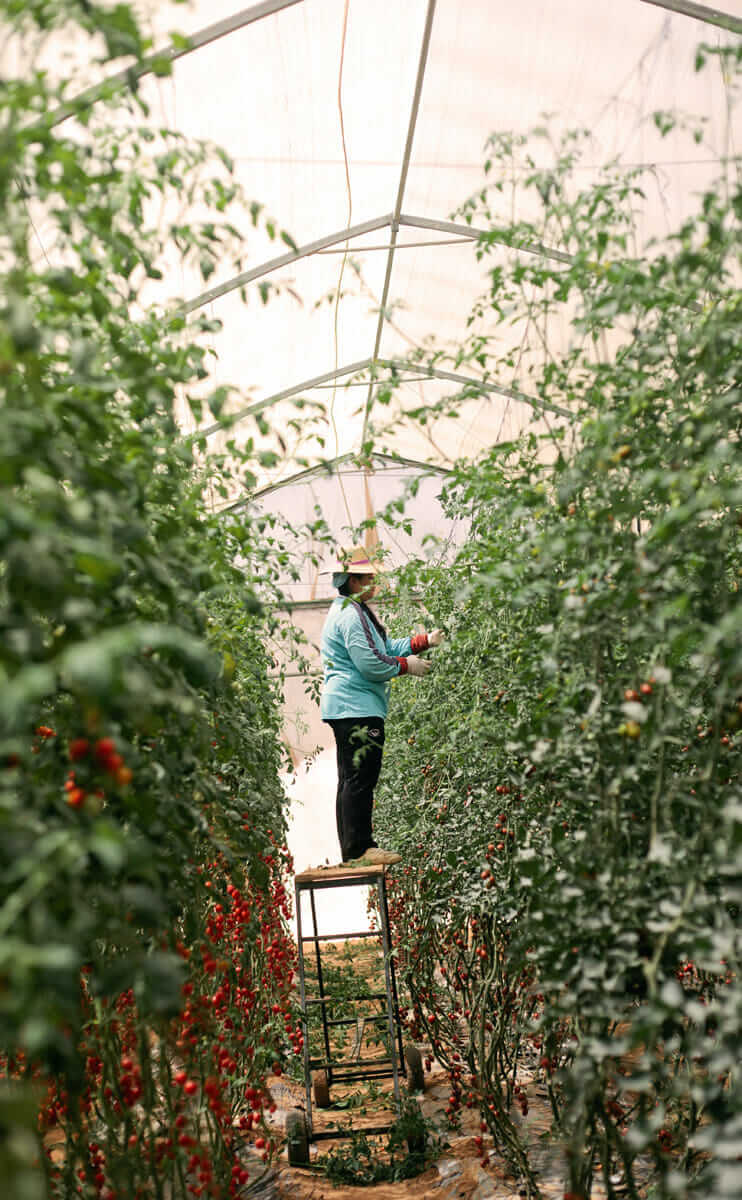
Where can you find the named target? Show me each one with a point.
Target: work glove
(436, 637)
(417, 666)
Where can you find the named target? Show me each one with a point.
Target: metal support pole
(129, 76)
(701, 12)
(400, 198)
(395, 997)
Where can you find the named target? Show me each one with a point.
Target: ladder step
(319, 877)
(352, 1076)
(353, 1020)
(341, 937)
(370, 1130)
(366, 1063)
(344, 999)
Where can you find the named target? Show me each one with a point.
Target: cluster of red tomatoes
(184, 1099)
(98, 765)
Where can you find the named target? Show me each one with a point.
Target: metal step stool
(398, 1061)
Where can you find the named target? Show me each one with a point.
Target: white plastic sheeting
(269, 93)
(340, 112)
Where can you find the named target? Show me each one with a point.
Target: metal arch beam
(700, 12)
(481, 385)
(326, 468)
(470, 233)
(323, 468)
(527, 247)
(465, 232)
(129, 75)
(327, 465)
(452, 241)
(308, 473)
(283, 260)
(422, 64)
(305, 386)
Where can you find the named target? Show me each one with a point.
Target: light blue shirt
(358, 663)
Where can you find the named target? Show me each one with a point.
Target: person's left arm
(415, 644)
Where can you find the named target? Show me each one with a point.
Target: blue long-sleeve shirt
(358, 663)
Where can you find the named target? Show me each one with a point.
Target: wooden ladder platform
(340, 872)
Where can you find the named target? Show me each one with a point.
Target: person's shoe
(375, 857)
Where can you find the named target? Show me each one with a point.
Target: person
(359, 660)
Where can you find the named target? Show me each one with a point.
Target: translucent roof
(361, 127)
(346, 496)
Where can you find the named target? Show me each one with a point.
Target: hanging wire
(345, 252)
(729, 152)
(653, 45)
(645, 70)
(26, 204)
(37, 235)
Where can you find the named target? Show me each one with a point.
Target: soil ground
(457, 1173)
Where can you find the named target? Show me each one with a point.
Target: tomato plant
(565, 784)
(145, 962)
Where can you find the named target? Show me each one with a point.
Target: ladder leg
(304, 1016)
(395, 996)
(386, 948)
(320, 983)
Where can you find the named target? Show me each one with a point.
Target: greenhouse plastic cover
(348, 113)
(405, 95)
(374, 117)
(269, 94)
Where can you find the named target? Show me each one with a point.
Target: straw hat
(356, 561)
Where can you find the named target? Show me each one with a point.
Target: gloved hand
(417, 666)
(436, 637)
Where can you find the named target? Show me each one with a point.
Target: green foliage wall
(565, 784)
(141, 828)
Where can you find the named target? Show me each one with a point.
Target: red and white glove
(423, 641)
(417, 666)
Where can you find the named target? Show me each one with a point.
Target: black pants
(360, 744)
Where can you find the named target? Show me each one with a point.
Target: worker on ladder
(359, 660)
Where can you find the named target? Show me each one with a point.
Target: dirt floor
(457, 1173)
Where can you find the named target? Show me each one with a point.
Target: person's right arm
(367, 657)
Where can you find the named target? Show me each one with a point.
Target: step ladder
(322, 1071)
